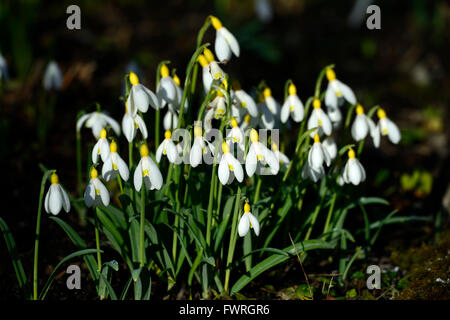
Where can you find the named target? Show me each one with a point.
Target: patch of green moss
(424, 265)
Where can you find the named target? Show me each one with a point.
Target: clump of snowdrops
(224, 195)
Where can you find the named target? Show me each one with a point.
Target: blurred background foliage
(403, 67)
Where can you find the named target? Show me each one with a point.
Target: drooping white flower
(141, 97)
(309, 172)
(131, 122)
(337, 91)
(247, 221)
(170, 121)
(236, 135)
(97, 121)
(114, 164)
(362, 125)
(335, 116)
(320, 120)
(96, 192)
(167, 91)
(101, 148)
(385, 127)
(282, 158)
(148, 171)
(293, 106)
(210, 69)
(260, 154)
(271, 103)
(167, 148)
(200, 147)
(318, 154)
(56, 197)
(353, 171)
(53, 78)
(331, 147)
(229, 166)
(3, 68)
(244, 102)
(225, 43)
(266, 119)
(216, 109)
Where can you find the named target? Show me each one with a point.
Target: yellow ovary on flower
(144, 151)
(359, 109)
(381, 113)
(208, 55)
(351, 154)
(292, 89)
(176, 80)
(234, 123)
(134, 80)
(254, 137)
(225, 147)
(164, 71)
(247, 118)
(54, 178)
(197, 131)
(267, 92)
(167, 134)
(219, 93)
(216, 23)
(103, 134)
(246, 207)
(316, 138)
(331, 75)
(94, 173)
(113, 146)
(202, 60)
(316, 103)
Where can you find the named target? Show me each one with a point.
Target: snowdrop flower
(331, 147)
(56, 197)
(141, 97)
(96, 192)
(229, 167)
(362, 125)
(210, 69)
(271, 103)
(319, 119)
(53, 78)
(225, 43)
(101, 148)
(216, 109)
(3, 68)
(200, 147)
(167, 88)
(97, 121)
(318, 154)
(247, 221)
(282, 158)
(114, 164)
(167, 148)
(314, 174)
(244, 100)
(337, 91)
(170, 120)
(293, 106)
(385, 127)
(131, 122)
(353, 171)
(235, 134)
(148, 171)
(259, 153)
(266, 119)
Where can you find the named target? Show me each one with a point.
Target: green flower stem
(320, 78)
(97, 241)
(211, 203)
(330, 213)
(258, 189)
(119, 181)
(219, 201)
(157, 121)
(233, 239)
(141, 232)
(38, 230)
(130, 155)
(200, 35)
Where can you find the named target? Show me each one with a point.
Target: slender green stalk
(130, 155)
(210, 204)
(157, 121)
(141, 232)
(233, 239)
(311, 226)
(119, 181)
(97, 241)
(219, 201)
(258, 189)
(36, 239)
(330, 213)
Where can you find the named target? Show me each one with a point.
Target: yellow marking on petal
(381, 113)
(114, 166)
(225, 147)
(316, 103)
(216, 23)
(331, 75)
(274, 146)
(144, 150)
(218, 75)
(292, 89)
(54, 178)
(167, 134)
(243, 105)
(219, 93)
(247, 118)
(320, 122)
(246, 207)
(254, 137)
(267, 92)
(384, 131)
(291, 108)
(234, 123)
(136, 125)
(113, 146)
(316, 138)
(338, 94)
(230, 167)
(134, 80)
(97, 192)
(208, 55)
(202, 60)
(359, 109)
(94, 173)
(103, 134)
(259, 157)
(164, 71)
(351, 154)
(145, 173)
(197, 131)
(164, 151)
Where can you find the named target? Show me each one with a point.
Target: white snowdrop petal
(152, 98)
(231, 40)
(313, 122)
(167, 121)
(137, 177)
(330, 97)
(285, 111)
(81, 121)
(223, 171)
(271, 160)
(347, 92)
(250, 161)
(254, 223)
(298, 113)
(123, 168)
(65, 198)
(89, 195)
(142, 126)
(155, 175)
(195, 156)
(221, 47)
(244, 225)
(359, 128)
(393, 131)
(326, 123)
(129, 130)
(95, 152)
(104, 149)
(104, 193)
(172, 154)
(354, 173)
(316, 159)
(107, 169)
(237, 168)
